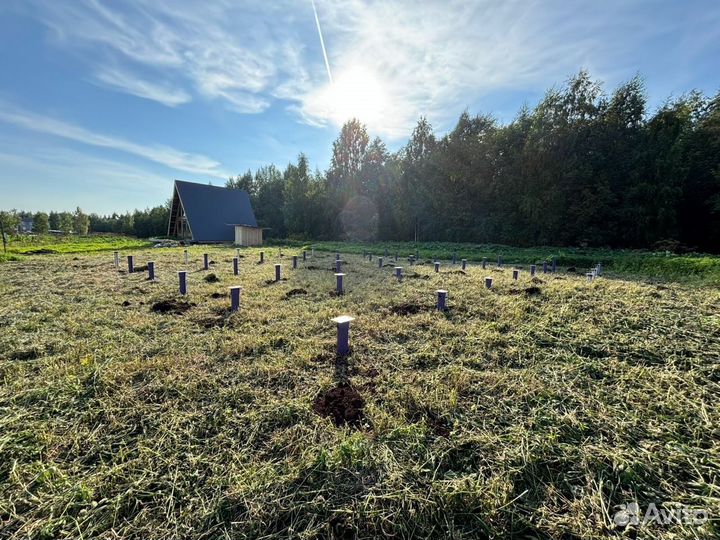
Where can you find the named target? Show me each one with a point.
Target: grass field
(532, 410)
(46, 244)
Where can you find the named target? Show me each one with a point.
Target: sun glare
(355, 93)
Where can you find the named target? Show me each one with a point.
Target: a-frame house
(209, 214)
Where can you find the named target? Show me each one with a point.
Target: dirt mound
(43, 251)
(342, 404)
(439, 426)
(217, 295)
(462, 272)
(295, 292)
(536, 280)
(211, 278)
(406, 309)
(532, 291)
(415, 275)
(28, 354)
(176, 307)
(126, 303)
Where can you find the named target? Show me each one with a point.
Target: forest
(582, 168)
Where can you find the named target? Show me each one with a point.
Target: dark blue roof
(212, 212)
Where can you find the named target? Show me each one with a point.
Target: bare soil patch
(295, 292)
(27, 354)
(172, 307)
(272, 281)
(407, 308)
(532, 291)
(342, 404)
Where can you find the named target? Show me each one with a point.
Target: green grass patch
(48, 244)
(697, 268)
(5, 257)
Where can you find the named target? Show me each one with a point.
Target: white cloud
(436, 58)
(165, 155)
(129, 83)
(219, 52)
(427, 58)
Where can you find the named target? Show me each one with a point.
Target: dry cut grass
(528, 411)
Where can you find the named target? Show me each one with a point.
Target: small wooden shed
(245, 235)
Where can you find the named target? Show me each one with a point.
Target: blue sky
(103, 103)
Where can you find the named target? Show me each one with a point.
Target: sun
(355, 93)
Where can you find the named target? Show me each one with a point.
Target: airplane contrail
(322, 42)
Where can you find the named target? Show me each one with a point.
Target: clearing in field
(533, 409)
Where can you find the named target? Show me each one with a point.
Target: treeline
(580, 168)
(140, 223)
(66, 222)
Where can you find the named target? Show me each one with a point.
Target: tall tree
(80, 222)
(54, 221)
(65, 222)
(414, 169)
(295, 197)
(41, 223)
(245, 181)
(10, 221)
(270, 201)
(344, 180)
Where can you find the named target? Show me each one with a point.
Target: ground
(531, 410)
